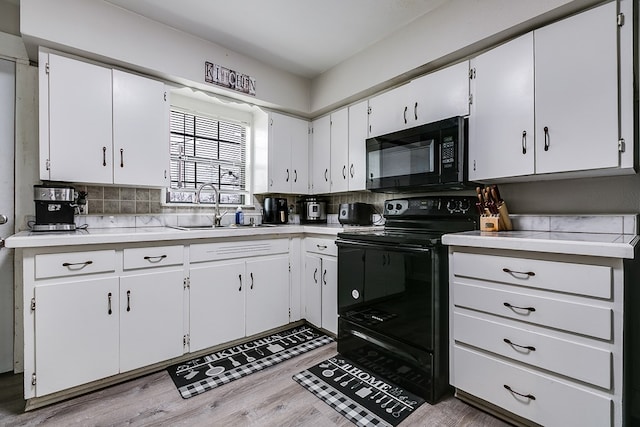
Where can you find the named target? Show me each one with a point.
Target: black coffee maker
(55, 208)
(275, 211)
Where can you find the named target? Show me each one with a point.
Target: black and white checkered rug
(360, 396)
(213, 370)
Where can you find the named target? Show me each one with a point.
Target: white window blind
(207, 150)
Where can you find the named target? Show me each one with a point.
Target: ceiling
(304, 37)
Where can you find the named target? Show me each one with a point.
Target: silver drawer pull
(526, 347)
(528, 396)
(78, 265)
(322, 247)
(513, 272)
(155, 258)
(515, 307)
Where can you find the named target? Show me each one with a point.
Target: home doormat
(213, 370)
(360, 396)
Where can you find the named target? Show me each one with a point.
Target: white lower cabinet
(321, 283)
(237, 289)
(76, 333)
(538, 335)
(151, 315)
(87, 328)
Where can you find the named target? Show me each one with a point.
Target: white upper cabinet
(550, 102)
(433, 97)
(358, 122)
(75, 121)
(140, 131)
(101, 126)
(288, 151)
(321, 158)
(340, 150)
(576, 79)
(501, 127)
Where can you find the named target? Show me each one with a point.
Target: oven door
(392, 290)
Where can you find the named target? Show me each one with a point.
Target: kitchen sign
(230, 79)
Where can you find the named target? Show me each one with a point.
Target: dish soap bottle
(239, 216)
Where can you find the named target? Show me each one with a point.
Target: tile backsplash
(126, 200)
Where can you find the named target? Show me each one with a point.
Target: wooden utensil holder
(496, 222)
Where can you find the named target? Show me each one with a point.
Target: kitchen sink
(225, 227)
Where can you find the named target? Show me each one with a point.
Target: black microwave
(430, 157)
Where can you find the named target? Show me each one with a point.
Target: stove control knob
(355, 294)
(398, 206)
(451, 206)
(389, 207)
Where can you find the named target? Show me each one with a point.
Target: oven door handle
(383, 246)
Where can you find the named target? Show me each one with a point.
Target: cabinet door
(339, 150)
(280, 153)
(151, 318)
(140, 131)
(576, 80)
(299, 157)
(330, 294)
(80, 136)
(358, 121)
(313, 289)
(501, 127)
(389, 111)
(267, 299)
(321, 159)
(76, 333)
(439, 95)
(217, 307)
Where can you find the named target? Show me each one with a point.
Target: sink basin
(226, 227)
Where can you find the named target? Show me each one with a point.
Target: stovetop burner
(421, 220)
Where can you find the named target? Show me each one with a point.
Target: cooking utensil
(234, 361)
(249, 358)
(340, 378)
(329, 372)
(347, 381)
(214, 370)
(384, 405)
(397, 413)
(391, 408)
(190, 375)
(364, 391)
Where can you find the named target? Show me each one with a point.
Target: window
(207, 150)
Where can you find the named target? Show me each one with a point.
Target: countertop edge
(540, 244)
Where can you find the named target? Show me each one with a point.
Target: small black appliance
(355, 214)
(275, 211)
(55, 208)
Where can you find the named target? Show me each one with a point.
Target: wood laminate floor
(266, 398)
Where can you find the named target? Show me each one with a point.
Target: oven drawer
(551, 402)
(585, 363)
(570, 316)
(581, 279)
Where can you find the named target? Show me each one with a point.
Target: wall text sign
(230, 79)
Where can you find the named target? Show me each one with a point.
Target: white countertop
(92, 236)
(574, 243)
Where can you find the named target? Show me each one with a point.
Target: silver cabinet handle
(326, 178)
(415, 111)
(528, 396)
(344, 171)
(295, 175)
(121, 158)
(109, 311)
(515, 307)
(324, 277)
(524, 142)
(526, 347)
(104, 156)
(287, 180)
(251, 274)
(351, 171)
(240, 278)
(404, 115)
(546, 138)
(315, 275)
(128, 300)
(155, 259)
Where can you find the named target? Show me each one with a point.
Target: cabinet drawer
(566, 315)
(555, 404)
(585, 363)
(152, 257)
(226, 250)
(74, 263)
(321, 246)
(581, 279)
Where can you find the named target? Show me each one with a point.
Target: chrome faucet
(216, 216)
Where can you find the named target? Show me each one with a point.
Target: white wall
(454, 30)
(105, 32)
